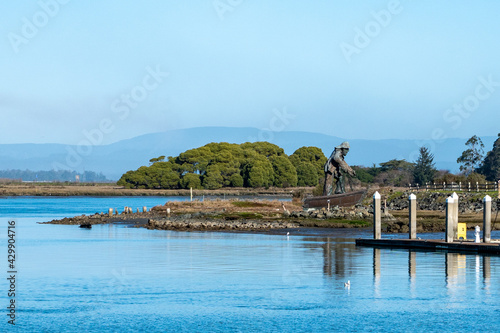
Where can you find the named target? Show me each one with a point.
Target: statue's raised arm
(335, 167)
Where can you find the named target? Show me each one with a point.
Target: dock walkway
(432, 245)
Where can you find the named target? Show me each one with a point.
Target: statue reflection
(336, 255)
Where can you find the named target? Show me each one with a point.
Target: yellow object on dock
(462, 231)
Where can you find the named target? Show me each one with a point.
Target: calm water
(113, 278)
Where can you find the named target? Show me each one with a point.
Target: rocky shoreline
(210, 225)
(265, 215)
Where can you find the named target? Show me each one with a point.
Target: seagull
(347, 284)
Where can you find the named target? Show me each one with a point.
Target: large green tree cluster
(216, 165)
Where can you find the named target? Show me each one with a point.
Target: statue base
(342, 200)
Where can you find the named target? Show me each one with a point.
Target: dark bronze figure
(335, 168)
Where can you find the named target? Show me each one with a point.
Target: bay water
(117, 278)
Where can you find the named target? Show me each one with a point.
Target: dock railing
(457, 187)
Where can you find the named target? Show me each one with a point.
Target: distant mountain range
(115, 159)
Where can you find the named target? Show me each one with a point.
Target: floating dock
(432, 245)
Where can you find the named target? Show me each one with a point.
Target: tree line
(263, 164)
(53, 175)
(216, 165)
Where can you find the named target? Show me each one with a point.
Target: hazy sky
(354, 69)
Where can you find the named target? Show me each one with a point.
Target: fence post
(449, 220)
(477, 186)
(460, 186)
(487, 219)
(468, 187)
(412, 215)
(376, 216)
(444, 186)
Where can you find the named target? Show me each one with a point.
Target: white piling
(449, 219)
(412, 215)
(376, 216)
(110, 212)
(455, 215)
(144, 209)
(487, 219)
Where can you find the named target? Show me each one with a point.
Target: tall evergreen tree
(471, 158)
(424, 170)
(491, 163)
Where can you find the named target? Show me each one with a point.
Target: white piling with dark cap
(449, 219)
(412, 215)
(455, 215)
(487, 219)
(377, 221)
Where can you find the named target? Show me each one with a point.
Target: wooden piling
(377, 221)
(487, 219)
(110, 212)
(412, 215)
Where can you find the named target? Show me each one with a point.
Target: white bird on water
(347, 284)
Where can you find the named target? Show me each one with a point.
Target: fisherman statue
(335, 168)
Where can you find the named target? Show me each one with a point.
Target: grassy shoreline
(96, 189)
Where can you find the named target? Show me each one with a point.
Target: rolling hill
(115, 159)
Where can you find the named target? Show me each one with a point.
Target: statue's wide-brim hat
(344, 145)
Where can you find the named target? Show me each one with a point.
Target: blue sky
(355, 69)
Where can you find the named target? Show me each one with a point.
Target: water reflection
(339, 256)
(376, 272)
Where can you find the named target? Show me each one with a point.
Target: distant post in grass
(376, 216)
(449, 219)
(412, 218)
(487, 219)
(191, 192)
